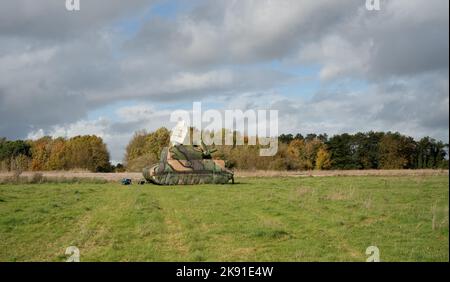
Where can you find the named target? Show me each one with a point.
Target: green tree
(285, 138)
(397, 151)
(87, 152)
(343, 150)
(367, 149)
(431, 153)
(14, 154)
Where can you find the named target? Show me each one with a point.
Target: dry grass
(135, 176)
(76, 175)
(368, 172)
(341, 194)
(303, 191)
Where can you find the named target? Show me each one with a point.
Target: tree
(14, 155)
(87, 152)
(156, 141)
(119, 168)
(11, 149)
(323, 159)
(367, 149)
(304, 152)
(343, 148)
(285, 138)
(431, 153)
(99, 161)
(136, 146)
(323, 137)
(396, 151)
(299, 136)
(296, 151)
(310, 136)
(58, 159)
(144, 148)
(40, 153)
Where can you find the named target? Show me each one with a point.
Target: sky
(115, 67)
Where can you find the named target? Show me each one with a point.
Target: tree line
(378, 150)
(370, 150)
(87, 152)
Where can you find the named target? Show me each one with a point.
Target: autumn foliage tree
(86, 152)
(323, 159)
(40, 150)
(305, 152)
(81, 152)
(371, 150)
(58, 158)
(144, 148)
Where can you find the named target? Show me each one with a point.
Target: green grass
(258, 219)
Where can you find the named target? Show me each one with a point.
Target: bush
(37, 178)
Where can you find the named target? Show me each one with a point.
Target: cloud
(405, 38)
(57, 67)
(49, 19)
(414, 106)
(240, 31)
(115, 133)
(338, 56)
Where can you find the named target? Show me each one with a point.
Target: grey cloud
(126, 127)
(405, 38)
(423, 102)
(240, 32)
(411, 39)
(43, 86)
(415, 107)
(49, 19)
(56, 66)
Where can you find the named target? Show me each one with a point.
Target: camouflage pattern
(183, 164)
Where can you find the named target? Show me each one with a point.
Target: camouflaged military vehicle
(187, 164)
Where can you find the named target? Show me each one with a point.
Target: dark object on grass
(141, 182)
(126, 181)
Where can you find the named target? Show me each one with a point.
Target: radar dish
(179, 133)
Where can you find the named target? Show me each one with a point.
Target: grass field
(259, 219)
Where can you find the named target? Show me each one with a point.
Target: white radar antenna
(180, 134)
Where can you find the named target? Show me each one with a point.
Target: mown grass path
(258, 219)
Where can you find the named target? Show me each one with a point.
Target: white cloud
(135, 113)
(116, 134)
(338, 56)
(190, 81)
